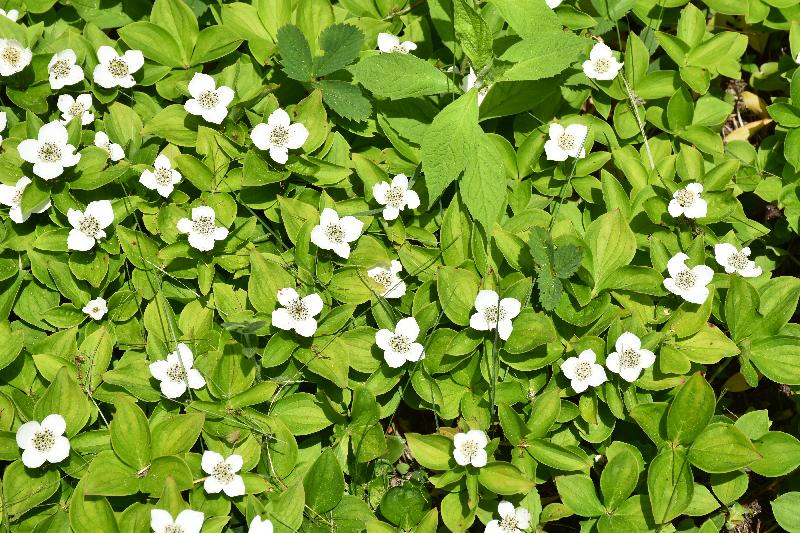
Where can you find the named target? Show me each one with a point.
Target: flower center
(11, 55)
(399, 49)
(566, 142)
(685, 279)
(17, 198)
(279, 136)
(118, 68)
(223, 472)
(383, 278)
(89, 226)
(49, 152)
(583, 370)
(509, 523)
(44, 440)
(297, 310)
(334, 233)
(684, 197)
(208, 99)
(176, 373)
(173, 528)
(494, 314)
(396, 197)
(470, 449)
(60, 69)
(738, 261)
(201, 225)
(76, 109)
(629, 358)
(164, 177)
(400, 343)
(601, 66)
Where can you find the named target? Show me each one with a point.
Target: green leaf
(784, 507)
(214, 43)
(619, 479)
(778, 358)
(483, 187)
(345, 99)
(550, 289)
(670, 484)
(780, 454)
(295, 53)
(65, 397)
(179, 21)
(324, 483)
(130, 434)
(457, 288)
(24, 489)
(175, 125)
(431, 451)
(341, 43)
(176, 435)
(579, 495)
(368, 440)
(558, 457)
(611, 244)
(473, 33)
(504, 478)
(566, 260)
(155, 42)
(691, 410)
(722, 448)
(267, 277)
(397, 76)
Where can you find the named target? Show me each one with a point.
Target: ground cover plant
(397, 265)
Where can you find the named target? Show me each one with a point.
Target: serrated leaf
(473, 33)
(567, 260)
(483, 186)
(295, 53)
(341, 43)
(549, 289)
(541, 246)
(345, 99)
(396, 76)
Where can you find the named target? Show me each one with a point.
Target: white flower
(582, 371)
(63, 70)
(260, 526)
(552, 4)
(13, 57)
(176, 372)
(334, 233)
(187, 521)
(469, 82)
(50, 152)
(222, 474)
(43, 442)
(116, 70)
(399, 346)
(395, 197)
(11, 14)
(601, 65)
(208, 100)
(88, 225)
(511, 520)
(75, 108)
(202, 229)
(566, 142)
(492, 312)
(736, 260)
(687, 202)
(163, 179)
(688, 283)
(278, 135)
(393, 286)
(96, 308)
(115, 151)
(297, 313)
(630, 359)
(388, 43)
(12, 197)
(469, 448)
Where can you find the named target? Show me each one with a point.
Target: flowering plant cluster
(385, 265)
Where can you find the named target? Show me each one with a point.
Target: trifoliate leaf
(341, 43)
(567, 260)
(295, 53)
(549, 289)
(346, 100)
(541, 246)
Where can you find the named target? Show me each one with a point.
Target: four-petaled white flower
(88, 226)
(734, 260)
(494, 313)
(395, 197)
(688, 202)
(398, 346)
(187, 521)
(79, 107)
(202, 229)
(469, 448)
(115, 151)
(43, 441)
(208, 100)
(279, 135)
(388, 43)
(222, 474)
(259, 525)
(511, 520)
(583, 372)
(162, 179)
(601, 65)
(566, 142)
(393, 286)
(688, 283)
(11, 195)
(116, 70)
(297, 313)
(334, 233)
(63, 70)
(96, 308)
(470, 80)
(11, 14)
(630, 358)
(176, 372)
(50, 152)
(13, 57)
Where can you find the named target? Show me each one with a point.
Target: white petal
(297, 136)
(415, 352)
(159, 369)
(200, 83)
(703, 273)
(209, 460)
(64, 102)
(306, 328)
(578, 385)
(352, 228)
(33, 458)
(505, 509)
(383, 338)
(106, 54)
(134, 60)
(195, 379)
(478, 322)
(630, 374)
(677, 264)
(504, 329)
(568, 367)
(225, 95)
(159, 520)
(29, 150)
(646, 358)
(628, 341)
(460, 458)
(55, 423)
(698, 209)
(412, 199)
(485, 299)
(191, 521)
(553, 151)
(387, 41)
(204, 243)
(59, 451)
(279, 117)
(215, 115)
(203, 211)
(342, 250)
(102, 211)
(235, 461)
(696, 295)
(77, 240)
(235, 487)
(478, 436)
(480, 459)
(408, 327)
(184, 225)
(173, 389)
(281, 319)
(313, 303)
(380, 190)
(26, 432)
(588, 356)
(54, 132)
(260, 136)
(287, 296)
(612, 362)
(511, 306)
(279, 154)
(48, 171)
(675, 209)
